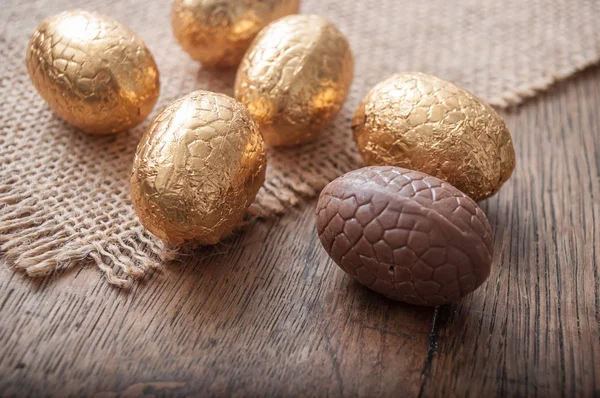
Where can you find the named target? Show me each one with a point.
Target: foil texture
(93, 71)
(295, 78)
(197, 169)
(420, 122)
(218, 32)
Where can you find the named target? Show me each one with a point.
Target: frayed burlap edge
(22, 220)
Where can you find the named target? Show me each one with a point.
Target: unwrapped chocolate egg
(218, 32)
(295, 78)
(405, 234)
(424, 123)
(93, 71)
(197, 169)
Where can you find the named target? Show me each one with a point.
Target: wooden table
(268, 313)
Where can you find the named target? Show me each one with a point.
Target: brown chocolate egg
(424, 123)
(197, 169)
(218, 32)
(295, 78)
(405, 234)
(93, 71)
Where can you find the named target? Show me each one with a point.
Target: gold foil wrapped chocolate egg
(218, 32)
(93, 71)
(424, 123)
(295, 78)
(197, 169)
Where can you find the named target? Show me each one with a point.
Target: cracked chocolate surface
(405, 234)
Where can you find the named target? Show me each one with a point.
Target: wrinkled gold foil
(424, 123)
(93, 71)
(295, 78)
(218, 32)
(197, 169)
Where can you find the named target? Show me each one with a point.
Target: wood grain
(269, 314)
(534, 328)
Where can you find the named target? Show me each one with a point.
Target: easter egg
(93, 71)
(424, 123)
(295, 78)
(218, 32)
(407, 235)
(197, 169)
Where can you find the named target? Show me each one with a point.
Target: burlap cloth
(64, 196)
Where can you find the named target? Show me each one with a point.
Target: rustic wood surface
(268, 313)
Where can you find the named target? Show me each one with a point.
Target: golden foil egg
(197, 169)
(93, 71)
(218, 32)
(295, 78)
(420, 122)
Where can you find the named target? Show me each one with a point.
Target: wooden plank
(268, 313)
(534, 328)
